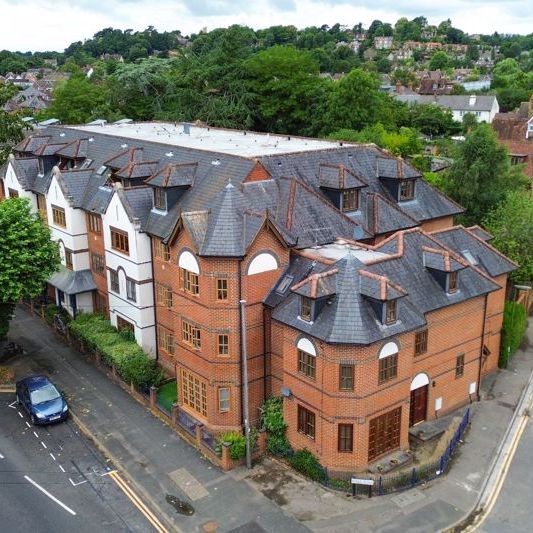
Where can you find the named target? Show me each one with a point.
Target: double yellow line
(491, 502)
(138, 503)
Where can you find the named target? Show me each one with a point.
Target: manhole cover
(180, 506)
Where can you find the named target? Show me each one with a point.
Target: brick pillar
(198, 430)
(132, 387)
(261, 441)
(153, 396)
(174, 414)
(227, 462)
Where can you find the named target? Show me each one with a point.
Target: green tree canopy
(11, 132)
(439, 61)
(481, 175)
(432, 119)
(28, 257)
(511, 223)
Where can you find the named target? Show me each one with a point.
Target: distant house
(483, 107)
(383, 43)
(515, 131)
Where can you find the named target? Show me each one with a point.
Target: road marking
(1, 456)
(107, 473)
(28, 424)
(62, 469)
(76, 484)
(53, 498)
(44, 445)
(12, 405)
(20, 414)
(52, 456)
(137, 502)
(36, 436)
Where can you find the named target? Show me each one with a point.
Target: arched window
(189, 272)
(306, 358)
(388, 362)
(420, 380)
(262, 262)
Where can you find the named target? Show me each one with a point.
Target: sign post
(367, 482)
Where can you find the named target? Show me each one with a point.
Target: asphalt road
(513, 511)
(53, 480)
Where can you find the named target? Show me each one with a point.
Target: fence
(406, 479)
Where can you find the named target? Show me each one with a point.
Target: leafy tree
(469, 122)
(404, 76)
(11, 132)
(439, 60)
(27, 256)
(432, 119)
(510, 222)
(405, 30)
(78, 100)
(481, 175)
(288, 90)
(355, 102)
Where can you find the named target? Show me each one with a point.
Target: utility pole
(244, 355)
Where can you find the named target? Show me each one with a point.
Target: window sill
(306, 435)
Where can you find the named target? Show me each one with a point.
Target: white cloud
(54, 24)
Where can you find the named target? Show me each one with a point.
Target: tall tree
(481, 175)
(28, 257)
(511, 223)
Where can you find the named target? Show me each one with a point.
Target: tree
(287, 88)
(439, 60)
(510, 222)
(481, 175)
(356, 102)
(28, 257)
(11, 132)
(432, 119)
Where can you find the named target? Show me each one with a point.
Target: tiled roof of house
(349, 316)
(290, 195)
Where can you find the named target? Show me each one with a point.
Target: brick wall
(437, 224)
(96, 246)
(452, 331)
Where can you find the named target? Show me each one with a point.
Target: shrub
(238, 442)
(307, 464)
(513, 329)
(51, 310)
(132, 364)
(273, 416)
(278, 445)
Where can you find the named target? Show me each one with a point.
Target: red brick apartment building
(366, 309)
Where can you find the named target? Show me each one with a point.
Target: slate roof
(291, 200)
(31, 143)
(480, 232)
(26, 170)
(349, 317)
(459, 102)
(75, 150)
(137, 202)
(73, 281)
(74, 183)
(475, 250)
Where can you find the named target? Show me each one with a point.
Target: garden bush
(274, 423)
(307, 464)
(132, 364)
(238, 443)
(513, 329)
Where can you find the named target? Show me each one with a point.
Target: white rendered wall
(11, 182)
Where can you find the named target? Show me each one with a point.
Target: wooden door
(384, 433)
(419, 405)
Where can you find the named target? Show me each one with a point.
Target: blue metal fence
(397, 481)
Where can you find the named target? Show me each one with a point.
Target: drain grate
(180, 506)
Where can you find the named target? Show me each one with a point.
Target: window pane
(346, 377)
(345, 438)
(306, 364)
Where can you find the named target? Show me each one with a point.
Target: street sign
(356, 481)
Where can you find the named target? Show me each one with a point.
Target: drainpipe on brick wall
(239, 282)
(244, 353)
(481, 351)
(155, 301)
(265, 311)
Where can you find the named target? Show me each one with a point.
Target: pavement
(269, 497)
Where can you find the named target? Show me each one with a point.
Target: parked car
(41, 400)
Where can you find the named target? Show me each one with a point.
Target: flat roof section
(232, 142)
(340, 249)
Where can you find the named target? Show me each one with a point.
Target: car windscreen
(44, 394)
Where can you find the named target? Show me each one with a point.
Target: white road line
(36, 436)
(52, 456)
(62, 469)
(43, 444)
(12, 405)
(108, 473)
(1, 456)
(76, 484)
(53, 498)
(20, 414)
(28, 424)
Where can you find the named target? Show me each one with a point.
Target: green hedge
(513, 330)
(132, 364)
(238, 443)
(307, 464)
(274, 423)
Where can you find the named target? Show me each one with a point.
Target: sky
(54, 24)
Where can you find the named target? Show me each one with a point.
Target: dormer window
(160, 199)
(407, 190)
(452, 282)
(350, 200)
(306, 308)
(391, 309)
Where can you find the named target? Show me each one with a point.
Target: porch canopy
(73, 282)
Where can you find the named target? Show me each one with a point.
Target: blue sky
(54, 24)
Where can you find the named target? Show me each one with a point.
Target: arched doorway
(419, 399)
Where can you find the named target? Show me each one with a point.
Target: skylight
(101, 170)
(467, 254)
(284, 284)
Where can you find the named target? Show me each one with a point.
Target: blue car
(41, 400)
